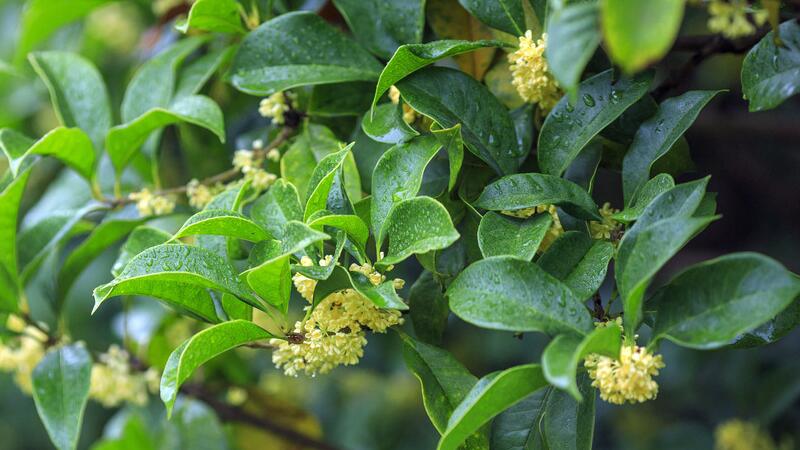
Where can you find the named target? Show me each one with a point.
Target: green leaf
(382, 295)
(277, 207)
(506, 293)
(711, 303)
(451, 97)
(657, 135)
(165, 270)
(272, 58)
(196, 74)
(772, 331)
(322, 180)
(220, 222)
(398, 176)
(417, 225)
(123, 141)
(77, 91)
(70, 145)
(60, 391)
(449, 20)
(504, 15)
(518, 427)
(640, 33)
(453, 143)
(218, 16)
(445, 383)
(201, 348)
(340, 99)
(41, 18)
(568, 128)
(649, 191)
(383, 25)
(10, 198)
(140, 239)
(412, 57)
(578, 261)
(385, 124)
(769, 71)
(500, 235)
(573, 35)
(355, 228)
(429, 310)
(490, 396)
(526, 190)
(565, 352)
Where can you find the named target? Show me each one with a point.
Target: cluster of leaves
(429, 201)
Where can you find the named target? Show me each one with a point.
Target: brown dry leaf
(449, 20)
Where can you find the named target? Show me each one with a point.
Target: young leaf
(355, 228)
(506, 293)
(429, 310)
(383, 25)
(219, 16)
(123, 141)
(500, 235)
(646, 194)
(657, 135)
(573, 35)
(526, 190)
(220, 222)
(77, 90)
(769, 71)
(201, 348)
(417, 225)
(504, 15)
(640, 33)
(568, 128)
(412, 57)
(322, 180)
(10, 198)
(70, 145)
(578, 261)
(490, 396)
(382, 295)
(385, 124)
(565, 352)
(60, 391)
(277, 207)
(453, 144)
(709, 304)
(271, 58)
(451, 97)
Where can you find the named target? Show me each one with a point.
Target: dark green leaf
(429, 310)
(565, 352)
(70, 145)
(277, 207)
(220, 222)
(573, 35)
(504, 15)
(383, 25)
(451, 97)
(322, 181)
(518, 427)
(568, 128)
(769, 71)
(60, 391)
(578, 261)
(567, 424)
(272, 58)
(453, 144)
(385, 124)
(506, 293)
(711, 303)
(500, 235)
(340, 99)
(220, 16)
(649, 191)
(417, 225)
(781, 325)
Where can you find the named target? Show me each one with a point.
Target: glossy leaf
(123, 141)
(526, 190)
(640, 33)
(657, 135)
(501, 235)
(355, 228)
(322, 180)
(769, 71)
(69, 145)
(382, 295)
(429, 310)
(451, 97)
(10, 198)
(140, 239)
(490, 396)
(385, 124)
(77, 90)
(565, 352)
(220, 16)
(578, 261)
(412, 57)
(60, 391)
(196, 74)
(272, 59)
(382, 26)
(453, 144)
(276, 207)
(506, 293)
(567, 129)
(417, 225)
(504, 15)
(573, 35)
(220, 222)
(649, 191)
(201, 348)
(709, 304)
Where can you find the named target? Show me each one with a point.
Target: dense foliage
(395, 162)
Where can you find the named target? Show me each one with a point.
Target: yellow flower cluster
(627, 379)
(150, 204)
(741, 435)
(605, 228)
(113, 382)
(249, 163)
(22, 358)
(409, 114)
(200, 195)
(730, 18)
(276, 105)
(304, 285)
(555, 230)
(533, 81)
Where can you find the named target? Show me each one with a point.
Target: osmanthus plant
(470, 169)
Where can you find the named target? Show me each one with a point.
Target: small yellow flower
(113, 381)
(555, 230)
(368, 271)
(274, 155)
(149, 204)
(236, 396)
(304, 285)
(199, 195)
(245, 160)
(531, 77)
(605, 228)
(741, 435)
(627, 379)
(22, 359)
(409, 114)
(260, 179)
(276, 105)
(729, 18)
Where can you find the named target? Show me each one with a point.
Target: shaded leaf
(276, 207)
(417, 225)
(385, 124)
(383, 25)
(527, 190)
(429, 310)
(449, 20)
(565, 352)
(769, 71)
(578, 261)
(504, 15)
(573, 35)
(500, 235)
